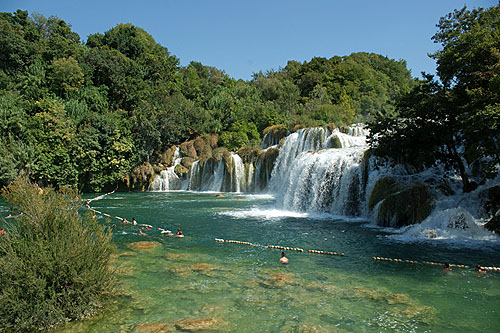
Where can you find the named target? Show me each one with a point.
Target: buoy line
(122, 219)
(398, 260)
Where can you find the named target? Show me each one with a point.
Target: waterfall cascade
(318, 170)
(168, 179)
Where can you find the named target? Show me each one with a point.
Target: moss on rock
(188, 150)
(493, 224)
(180, 170)
(383, 188)
(250, 154)
(140, 177)
(187, 162)
(406, 207)
(335, 142)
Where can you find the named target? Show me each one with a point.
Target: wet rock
(493, 224)
(181, 171)
(205, 324)
(126, 254)
(188, 149)
(200, 268)
(143, 246)
(383, 188)
(187, 162)
(152, 328)
(406, 207)
(334, 142)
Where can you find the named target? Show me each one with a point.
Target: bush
(54, 264)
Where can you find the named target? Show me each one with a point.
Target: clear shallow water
(232, 287)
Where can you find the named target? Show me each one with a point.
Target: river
(198, 283)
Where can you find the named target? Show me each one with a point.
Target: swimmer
(140, 231)
(134, 222)
(446, 268)
(179, 233)
(283, 259)
(2, 232)
(479, 270)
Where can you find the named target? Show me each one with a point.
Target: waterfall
(168, 179)
(311, 176)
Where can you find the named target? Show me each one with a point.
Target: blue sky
(245, 37)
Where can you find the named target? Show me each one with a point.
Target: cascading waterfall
(168, 179)
(311, 176)
(318, 170)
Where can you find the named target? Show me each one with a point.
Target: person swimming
(179, 233)
(446, 268)
(283, 259)
(479, 270)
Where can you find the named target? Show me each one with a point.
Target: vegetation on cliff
(88, 113)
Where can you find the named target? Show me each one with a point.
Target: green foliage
(55, 265)
(85, 114)
(66, 75)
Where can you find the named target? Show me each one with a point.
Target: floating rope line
(326, 252)
(486, 268)
(285, 248)
(122, 219)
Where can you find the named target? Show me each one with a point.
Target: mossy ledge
(409, 206)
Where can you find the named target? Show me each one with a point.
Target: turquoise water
(196, 283)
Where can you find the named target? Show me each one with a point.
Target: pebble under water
(198, 284)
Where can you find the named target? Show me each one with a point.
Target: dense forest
(85, 113)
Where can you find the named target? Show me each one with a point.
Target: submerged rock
(201, 268)
(152, 328)
(278, 280)
(143, 246)
(176, 256)
(205, 324)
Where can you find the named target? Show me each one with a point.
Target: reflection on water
(197, 284)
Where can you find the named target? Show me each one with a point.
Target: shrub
(54, 264)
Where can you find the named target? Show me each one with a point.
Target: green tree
(66, 75)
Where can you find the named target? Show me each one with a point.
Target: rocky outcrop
(405, 207)
(141, 177)
(273, 135)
